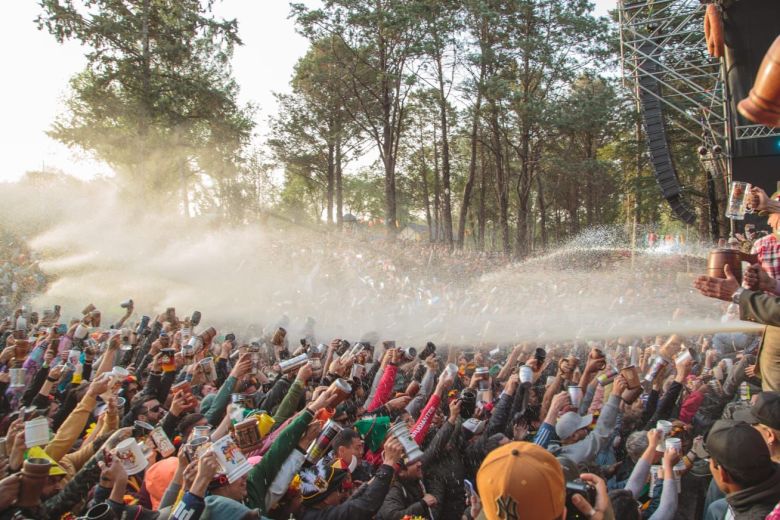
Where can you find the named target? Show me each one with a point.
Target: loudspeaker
(657, 140)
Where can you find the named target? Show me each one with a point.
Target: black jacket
(754, 503)
(404, 498)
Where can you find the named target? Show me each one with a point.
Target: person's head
(572, 427)
(53, 485)
(130, 389)
(222, 487)
(411, 471)
(55, 482)
(147, 409)
(624, 505)
(325, 486)
(764, 415)
(346, 444)
(636, 444)
(739, 457)
(190, 421)
(524, 480)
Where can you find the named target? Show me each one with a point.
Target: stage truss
(663, 40)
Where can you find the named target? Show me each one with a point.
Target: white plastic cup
(526, 374)
(673, 443)
(81, 331)
(452, 370)
(683, 356)
(666, 428)
(575, 394)
(17, 379)
(36, 432)
(131, 456)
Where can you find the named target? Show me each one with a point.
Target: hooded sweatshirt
(756, 502)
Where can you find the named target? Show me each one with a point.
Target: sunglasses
(155, 408)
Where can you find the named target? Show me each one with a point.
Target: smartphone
(61, 328)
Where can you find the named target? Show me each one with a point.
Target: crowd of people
(164, 418)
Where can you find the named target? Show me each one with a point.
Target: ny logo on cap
(507, 508)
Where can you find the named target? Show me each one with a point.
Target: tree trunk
(523, 191)
(446, 220)
(426, 193)
(330, 188)
(481, 210)
(464, 208)
(502, 183)
(436, 188)
(542, 211)
(339, 186)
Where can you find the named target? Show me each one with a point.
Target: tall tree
(381, 38)
(157, 100)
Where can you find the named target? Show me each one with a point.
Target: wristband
(52, 379)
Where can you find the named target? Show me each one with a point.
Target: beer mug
(738, 200)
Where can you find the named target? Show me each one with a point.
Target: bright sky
(38, 69)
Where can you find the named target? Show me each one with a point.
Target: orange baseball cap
(521, 480)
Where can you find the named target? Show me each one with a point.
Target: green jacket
(217, 410)
(764, 308)
(262, 475)
(289, 404)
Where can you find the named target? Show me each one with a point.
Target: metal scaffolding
(663, 40)
(669, 34)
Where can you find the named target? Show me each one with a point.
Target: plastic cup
(673, 443)
(575, 395)
(666, 428)
(526, 374)
(683, 356)
(17, 377)
(36, 432)
(131, 456)
(452, 370)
